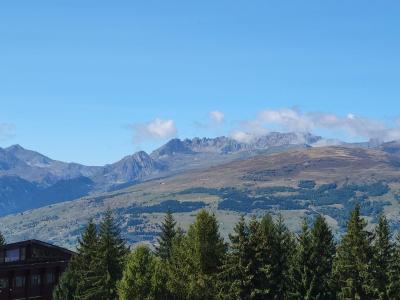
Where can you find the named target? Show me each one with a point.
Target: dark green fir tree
(322, 255)
(302, 271)
(393, 289)
(106, 269)
(196, 259)
(166, 237)
(277, 258)
(382, 260)
(85, 260)
(235, 279)
(354, 254)
(73, 280)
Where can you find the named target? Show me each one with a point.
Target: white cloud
(288, 119)
(351, 116)
(327, 142)
(156, 129)
(6, 131)
(242, 136)
(248, 131)
(216, 117)
(214, 121)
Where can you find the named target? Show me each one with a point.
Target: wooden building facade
(30, 269)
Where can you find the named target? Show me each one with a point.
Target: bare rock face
(132, 168)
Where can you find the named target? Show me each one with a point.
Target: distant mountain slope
(132, 168)
(297, 183)
(52, 181)
(18, 195)
(35, 167)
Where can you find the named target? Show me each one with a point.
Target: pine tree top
(166, 237)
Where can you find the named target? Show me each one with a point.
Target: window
(50, 278)
(19, 281)
(23, 253)
(12, 255)
(3, 283)
(35, 280)
(38, 253)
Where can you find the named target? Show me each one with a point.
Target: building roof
(36, 242)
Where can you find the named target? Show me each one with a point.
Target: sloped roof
(36, 242)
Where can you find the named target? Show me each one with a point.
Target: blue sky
(85, 80)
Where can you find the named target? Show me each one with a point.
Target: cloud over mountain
(156, 129)
(288, 119)
(217, 117)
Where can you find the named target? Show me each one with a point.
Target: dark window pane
(19, 281)
(3, 283)
(12, 255)
(35, 280)
(23, 253)
(50, 278)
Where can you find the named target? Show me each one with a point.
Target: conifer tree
(352, 261)
(136, 282)
(206, 249)
(382, 260)
(258, 273)
(168, 232)
(322, 255)
(278, 249)
(237, 271)
(393, 289)
(73, 280)
(67, 284)
(246, 271)
(268, 258)
(106, 269)
(180, 268)
(205, 243)
(313, 262)
(159, 280)
(196, 259)
(85, 260)
(303, 267)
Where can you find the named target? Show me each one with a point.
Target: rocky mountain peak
(14, 148)
(172, 147)
(29, 157)
(225, 145)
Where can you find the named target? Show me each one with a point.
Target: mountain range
(29, 179)
(296, 175)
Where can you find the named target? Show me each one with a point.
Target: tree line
(261, 260)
